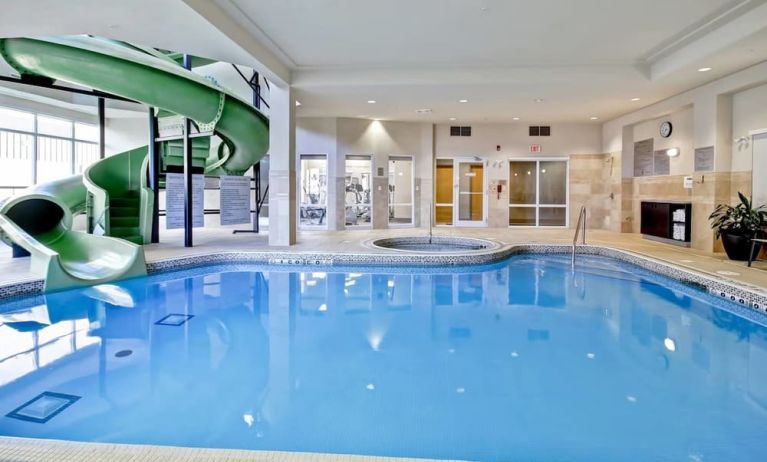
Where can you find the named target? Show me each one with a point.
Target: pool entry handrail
(580, 230)
(431, 222)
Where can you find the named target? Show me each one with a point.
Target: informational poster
(704, 159)
(174, 201)
(235, 200)
(662, 164)
(644, 157)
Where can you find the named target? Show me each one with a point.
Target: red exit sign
(535, 148)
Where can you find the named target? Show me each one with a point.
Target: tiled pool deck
(712, 270)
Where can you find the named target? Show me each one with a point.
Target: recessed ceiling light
(594, 118)
(635, 99)
(298, 103)
(538, 100)
(371, 101)
(515, 118)
(452, 118)
(463, 100)
(704, 69)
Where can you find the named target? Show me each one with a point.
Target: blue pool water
(519, 361)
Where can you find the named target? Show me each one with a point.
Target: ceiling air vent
(460, 131)
(540, 130)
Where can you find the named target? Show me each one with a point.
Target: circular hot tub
(435, 244)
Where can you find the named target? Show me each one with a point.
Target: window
(538, 192)
(400, 190)
(314, 190)
(54, 126)
(16, 151)
(36, 148)
(12, 119)
(358, 190)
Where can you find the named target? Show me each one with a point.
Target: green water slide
(113, 192)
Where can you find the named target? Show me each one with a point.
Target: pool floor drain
(123, 353)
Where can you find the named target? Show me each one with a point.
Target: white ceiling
(167, 24)
(584, 58)
(397, 33)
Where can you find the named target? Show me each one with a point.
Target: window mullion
(34, 153)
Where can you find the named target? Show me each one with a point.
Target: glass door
(538, 192)
(313, 191)
(401, 186)
(470, 180)
(358, 191)
(445, 186)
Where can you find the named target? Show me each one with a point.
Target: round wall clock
(665, 129)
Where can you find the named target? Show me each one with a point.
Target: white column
(282, 166)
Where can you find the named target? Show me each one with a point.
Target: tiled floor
(216, 240)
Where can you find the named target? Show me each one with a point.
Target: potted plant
(737, 225)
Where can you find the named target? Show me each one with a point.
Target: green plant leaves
(742, 219)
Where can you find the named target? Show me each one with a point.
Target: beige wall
(681, 138)
(340, 137)
(710, 115)
(565, 140)
(595, 183)
(601, 157)
(381, 139)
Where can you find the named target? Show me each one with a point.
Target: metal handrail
(580, 229)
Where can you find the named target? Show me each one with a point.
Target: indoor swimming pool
(522, 360)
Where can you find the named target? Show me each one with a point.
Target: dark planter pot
(737, 247)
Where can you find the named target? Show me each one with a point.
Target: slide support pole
(154, 174)
(188, 218)
(102, 129)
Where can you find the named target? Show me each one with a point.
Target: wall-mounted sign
(688, 182)
(535, 148)
(644, 157)
(235, 200)
(704, 159)
(174, 201)
(661, 164)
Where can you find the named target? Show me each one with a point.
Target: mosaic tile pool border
(735, 291)
(391, 243)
